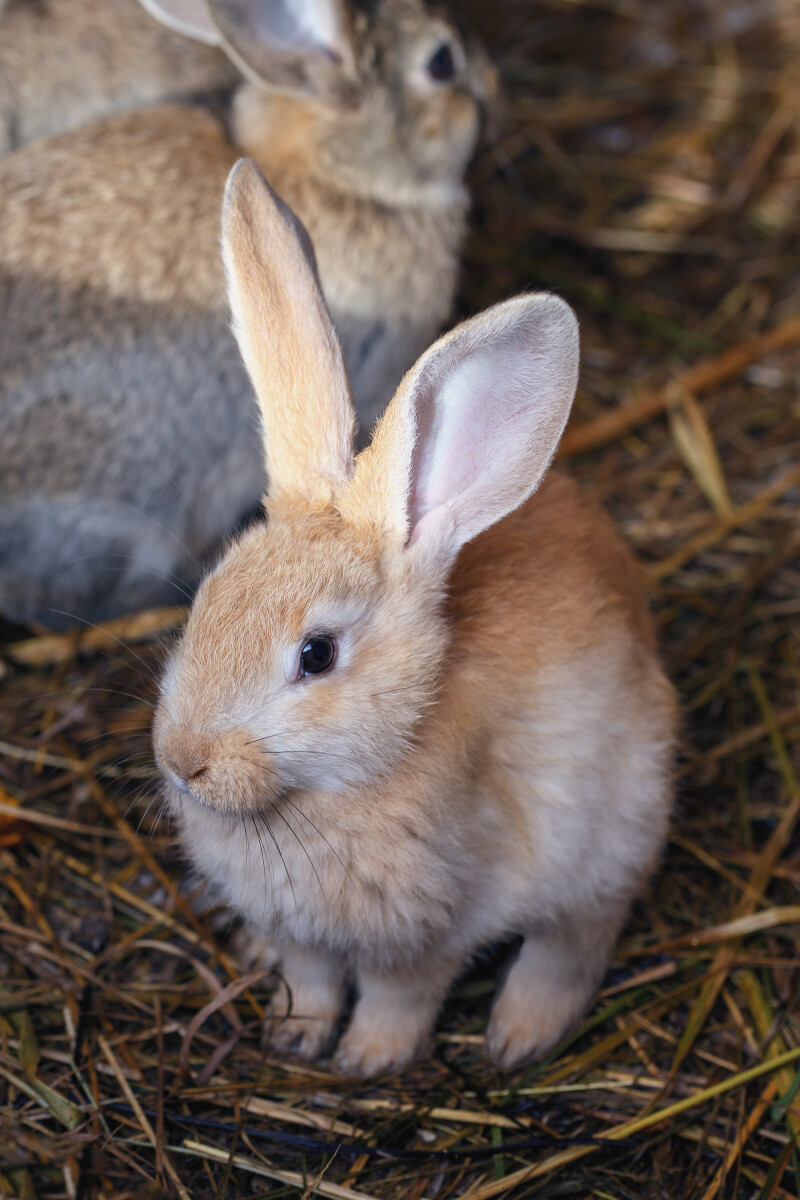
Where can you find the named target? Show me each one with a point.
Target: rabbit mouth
(175, 781)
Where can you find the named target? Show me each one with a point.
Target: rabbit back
(549, 616)
(68, 61)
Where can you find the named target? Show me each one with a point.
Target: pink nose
(183, 755)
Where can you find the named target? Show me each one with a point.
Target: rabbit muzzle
(219, 772)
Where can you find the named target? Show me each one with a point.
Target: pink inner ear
(490, 402)
(296, 27)
(465, 428)
(487, 405)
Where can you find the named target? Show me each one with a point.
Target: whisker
(268, 736)
(109, 734)
(164, 814)
(286, 869)
(79, 692)
(134, 801)
(262, 766)
(264, 866)
(140, 756)
(167, 577)
(92, 625)
(246, 858)
(139, 698)
(183, 494)
(144, 815)
(333, 852)
(300, 843)
(158, 525)
(324, 754)
(413, 687)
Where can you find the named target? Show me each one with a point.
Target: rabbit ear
(472, 428)
(287, 341)
(189, 17)
(303, 47)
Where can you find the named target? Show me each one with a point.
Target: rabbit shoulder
(125, 206)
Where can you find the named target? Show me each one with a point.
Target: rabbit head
(384, 94)
(318, 644)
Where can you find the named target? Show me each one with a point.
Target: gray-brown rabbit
(68, 61)
(129, 444)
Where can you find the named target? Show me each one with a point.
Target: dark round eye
(317, 655)
(441, 66)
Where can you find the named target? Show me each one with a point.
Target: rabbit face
(306, 664)
(381, 95)
(424, 88)
(403, 110)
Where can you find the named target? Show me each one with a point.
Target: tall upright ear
(287, 341)
(302, 47)
(189, 17)
(472, 428)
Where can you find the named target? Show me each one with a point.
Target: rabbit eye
(441, 65)
(317, 655)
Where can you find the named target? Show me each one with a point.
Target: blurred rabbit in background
(129, 446)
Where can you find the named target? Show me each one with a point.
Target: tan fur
(490, 753)
(77, 208)
(294, 384)
(128, 208)
(65, 62)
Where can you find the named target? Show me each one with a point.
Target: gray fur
(128, 492)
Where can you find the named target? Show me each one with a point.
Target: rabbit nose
(184, 757)
(181, 782)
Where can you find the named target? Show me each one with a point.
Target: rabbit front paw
(305, 1009)
(369, 1048)
(392, 1020)
(545, 994)
(303, 1036)
(519, 1033)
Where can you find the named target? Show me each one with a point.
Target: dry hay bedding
(644, 168)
